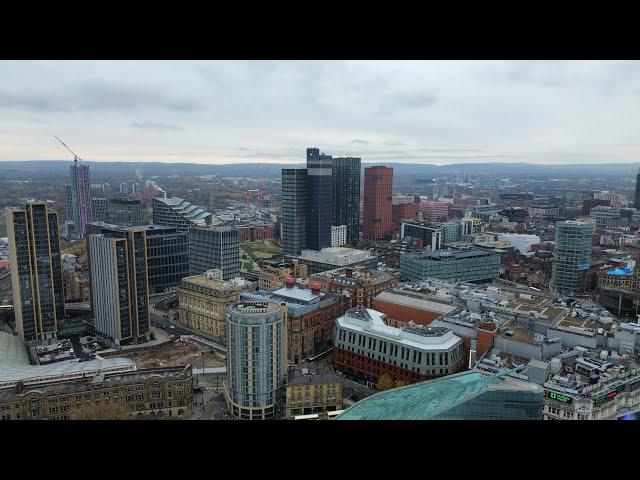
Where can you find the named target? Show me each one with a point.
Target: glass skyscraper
(294, 210)
(346, 196)
(124, 211)
(80, 197)
(214, 247)
(571, 255)
(320, 200)
(36, 270)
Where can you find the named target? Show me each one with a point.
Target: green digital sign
(559, 397)
(600, 400)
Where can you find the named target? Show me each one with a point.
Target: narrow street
(208, 405)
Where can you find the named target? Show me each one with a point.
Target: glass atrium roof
(420, 401)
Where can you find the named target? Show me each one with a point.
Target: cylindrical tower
(256, 358)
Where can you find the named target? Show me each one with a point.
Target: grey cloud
(427, 111)
(103, 96)
(449, 150)
(30, 102)
(97, 96)
(155, 126)
(400, 101)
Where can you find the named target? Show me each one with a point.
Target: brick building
(359, 285)
(434, 211)
(273, 273)
(404, 211)
(378, 189)
(367, 347)
(402, 305)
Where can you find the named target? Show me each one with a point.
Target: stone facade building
(203, 302)
(313, 390)
(164, 392)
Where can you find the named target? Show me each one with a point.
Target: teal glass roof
(420, 401)
(621, 272)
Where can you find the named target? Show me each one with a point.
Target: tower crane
(75, 157)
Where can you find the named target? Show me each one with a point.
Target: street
(208, 405)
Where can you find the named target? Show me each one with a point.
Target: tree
(113, 410)
(384, 383)
(400, 383)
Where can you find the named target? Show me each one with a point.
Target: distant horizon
(303, 161)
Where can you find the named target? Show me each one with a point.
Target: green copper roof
(420, 401)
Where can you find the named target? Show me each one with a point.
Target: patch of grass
(257, 250)
(247, 266)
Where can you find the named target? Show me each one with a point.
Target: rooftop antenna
(75, 157)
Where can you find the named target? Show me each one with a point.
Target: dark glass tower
(294, 210)
(214, 247)
(346, 196)
(123, 211)
(636, 200)
(36, 270)
(320, 201)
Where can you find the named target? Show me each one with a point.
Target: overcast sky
(395, 111)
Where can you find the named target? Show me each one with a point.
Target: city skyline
(220, 112)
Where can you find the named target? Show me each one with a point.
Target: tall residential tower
(256, 358)
(571, 255)
(346, 196)
(36, 270)
(120, 284)
(294, 210)
(378, 189)
(80, 197)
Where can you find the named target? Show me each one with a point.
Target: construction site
(179, 352)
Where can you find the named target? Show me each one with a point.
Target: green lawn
(247, 266)
(258, 250)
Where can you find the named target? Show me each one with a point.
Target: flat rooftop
(411, 299)
(12, 350)
(306, 374)
(339, 256)
(296, 293)
(203, 281)
(42, 374)
(450, 253)
(107, 378)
